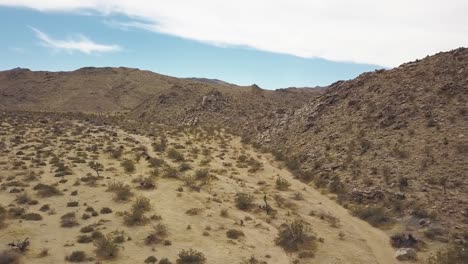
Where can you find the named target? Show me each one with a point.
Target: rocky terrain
(389, 146)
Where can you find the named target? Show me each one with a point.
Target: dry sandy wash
(158, 196)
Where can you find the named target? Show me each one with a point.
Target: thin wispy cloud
(80, 44)
(386, 32)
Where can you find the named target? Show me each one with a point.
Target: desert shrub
(193, 211)
(3, 216)
(135, 217)
(202, 174)
(282, 184)
(105, 210)
(453, 254)
(157, 235)
(151, 259)
(190, 257)
(128, 165)
(164, 261)
(122, 191)
(184, 167)
(432, 232)
(171, 172)
(23, 198)
(160, 146)
(76, 256)
(224, 212)
(32, 217)
(253, 260)
(68, 220)
(72, 204)
(44, 190)
(175, 155)
(296, 235)
(16, 212)
(87, 229)
(155, 162)
(142, 203)
(244, 201)
(234, 234)
(374, 215)
(84, 239)
(9, 257)
(106, 247)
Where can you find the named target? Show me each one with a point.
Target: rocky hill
(147, 95)
(395, 138)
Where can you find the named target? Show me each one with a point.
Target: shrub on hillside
(244, 201)
(374, 215)
(191, 257)
(295, 236)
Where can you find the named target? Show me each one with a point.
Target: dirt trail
(373, 239)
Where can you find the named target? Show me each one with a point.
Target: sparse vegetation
(244, 201)
(191, 257)
(374, 215)
(106, 247)
(295, 236)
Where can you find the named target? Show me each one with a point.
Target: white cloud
(385, 32)
(82, 44)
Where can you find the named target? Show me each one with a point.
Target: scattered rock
(404, 254)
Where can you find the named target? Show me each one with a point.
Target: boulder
(404, 254)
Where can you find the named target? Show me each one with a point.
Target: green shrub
(296, 235)
(164, 261)
(142, 203)
(374, 215)
(135, 218)
(202, 174)
(175, 155)
(32, 217)
(128, 165)
(23, 198)
(3, 216)
(244, 201)
(106, 247)
(282, 184)
(76, 256)
(184, 167)
(234, 234)
(68, 220)
(157, 235)
(171, 172)
(44, 190)
(191, 257)
(122, 191)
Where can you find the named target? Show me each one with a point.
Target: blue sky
(273, 44)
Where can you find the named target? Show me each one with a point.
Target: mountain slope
(397, 138)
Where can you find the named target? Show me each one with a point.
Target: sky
(272, 43)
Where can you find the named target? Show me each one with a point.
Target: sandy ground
(358, 243)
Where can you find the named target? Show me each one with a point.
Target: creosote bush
(295, 236)
(76, 256)
(374, 215)
(190, 257)
(106, 247)
(175, 155)
(282, 184)
(244, 201)
(157, 235)
(234, 234)
(128, 165)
